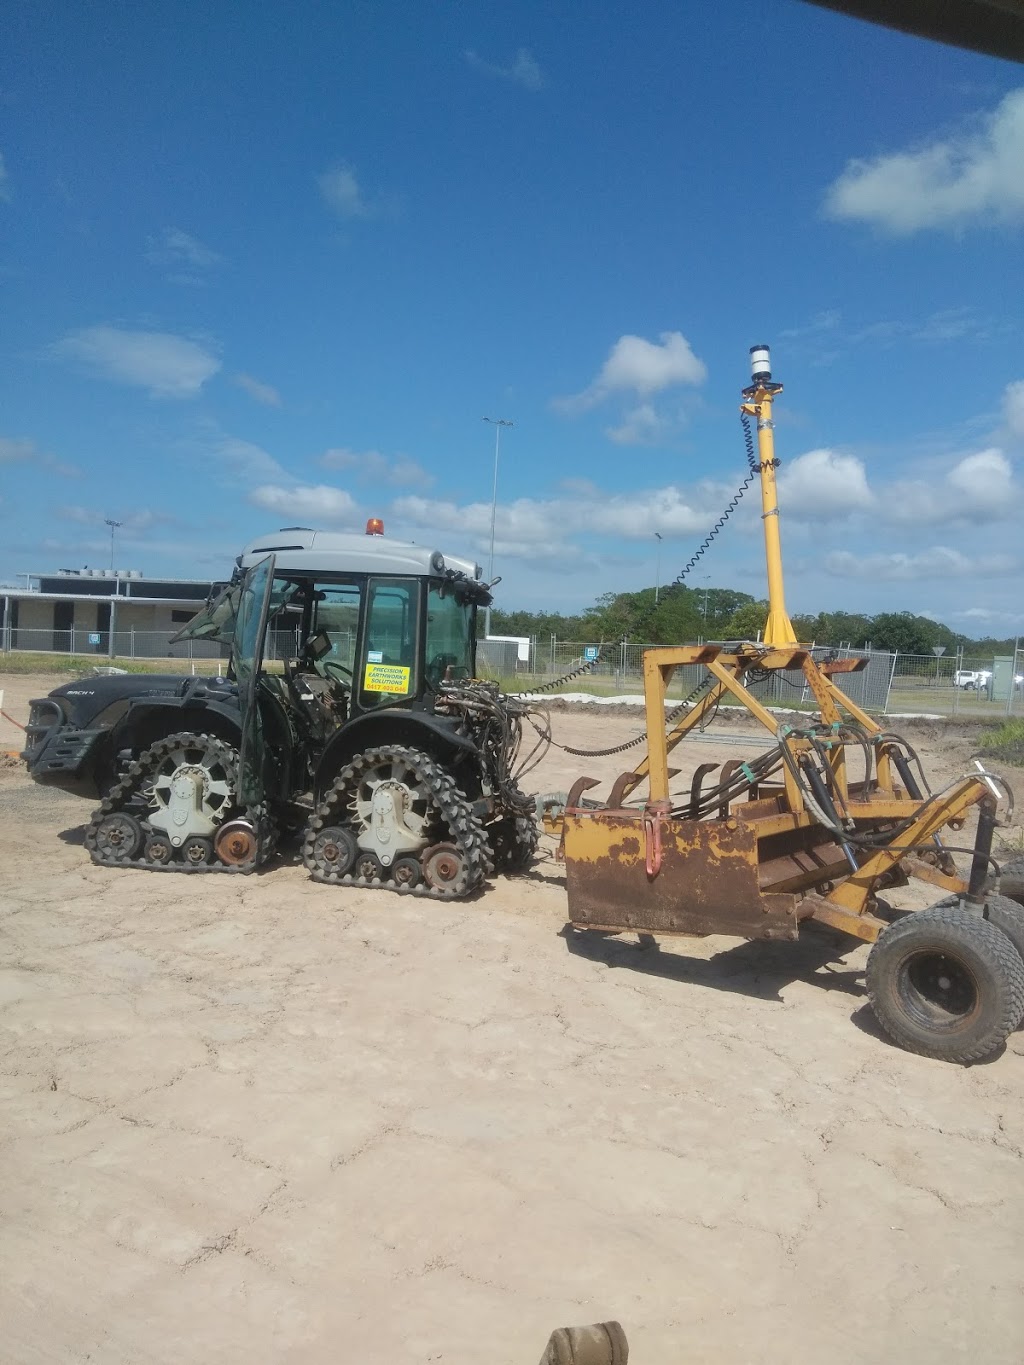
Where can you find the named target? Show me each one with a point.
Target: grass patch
(82, 665)
(1005, 742)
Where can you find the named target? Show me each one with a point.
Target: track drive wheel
(947, 984)
(413, 830)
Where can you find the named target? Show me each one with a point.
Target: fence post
(1013, 674)
(892, 674)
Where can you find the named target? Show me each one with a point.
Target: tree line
(680, 614)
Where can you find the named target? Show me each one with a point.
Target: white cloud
(642, 425)
(983, 482)
(171, 246)
(523, 70)
(256, 389)
(370, 466)
(528, 524)
(1013, 407)
(642, 367)
(247, 459)
(168, 366)
(319, 504)
(979, 488)
(5, 184)
(14, 449)
(824, 484)
(939, 561)
(342, 192)
(976, 176)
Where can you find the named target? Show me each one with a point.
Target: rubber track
(466, 830)
(130, 787)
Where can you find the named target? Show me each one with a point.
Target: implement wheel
(947, 984)
(1003, 912)
(1011, 882)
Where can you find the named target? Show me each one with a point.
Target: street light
(113, 527)
(497, 423)
(657, 569)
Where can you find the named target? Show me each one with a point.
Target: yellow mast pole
(758, 404)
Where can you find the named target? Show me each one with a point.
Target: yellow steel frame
(846, 904)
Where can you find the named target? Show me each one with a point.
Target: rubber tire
(1011, 881)
(988, 955)
(1004, 913)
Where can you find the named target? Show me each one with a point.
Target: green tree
(747, 622)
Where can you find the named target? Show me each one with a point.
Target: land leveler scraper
(794, 836)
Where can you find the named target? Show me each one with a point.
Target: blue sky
(267, 265)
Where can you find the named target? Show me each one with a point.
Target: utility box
(1002, 677)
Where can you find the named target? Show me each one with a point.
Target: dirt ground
(260, 1120)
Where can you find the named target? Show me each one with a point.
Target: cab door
(250, 637)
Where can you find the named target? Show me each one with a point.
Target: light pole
(657, 568)
(497, 423)
(113, 527)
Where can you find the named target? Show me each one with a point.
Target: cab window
(450, 625)
(336, 614)
(390, 669)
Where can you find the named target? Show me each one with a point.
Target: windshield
(450, 625)
(216, 621)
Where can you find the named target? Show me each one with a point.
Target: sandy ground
(259, 1120)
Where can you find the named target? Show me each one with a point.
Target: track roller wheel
(406, 873)
(947, 984)
(158, 849)
(197, 851)
(367, 867)
(118, 837)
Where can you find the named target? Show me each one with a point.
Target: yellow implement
(831, 814)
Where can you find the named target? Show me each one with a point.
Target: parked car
(972, 679)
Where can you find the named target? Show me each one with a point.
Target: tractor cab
(355, 622)
(333, 628)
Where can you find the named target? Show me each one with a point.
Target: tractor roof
(302, 550)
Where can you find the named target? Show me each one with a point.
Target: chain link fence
(953, 684)
(960, 684)
(619, 669)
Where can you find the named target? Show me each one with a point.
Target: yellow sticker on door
(386, 678)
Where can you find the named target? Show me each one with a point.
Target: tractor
(369, 735)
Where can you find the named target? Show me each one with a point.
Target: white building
(101, 611)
